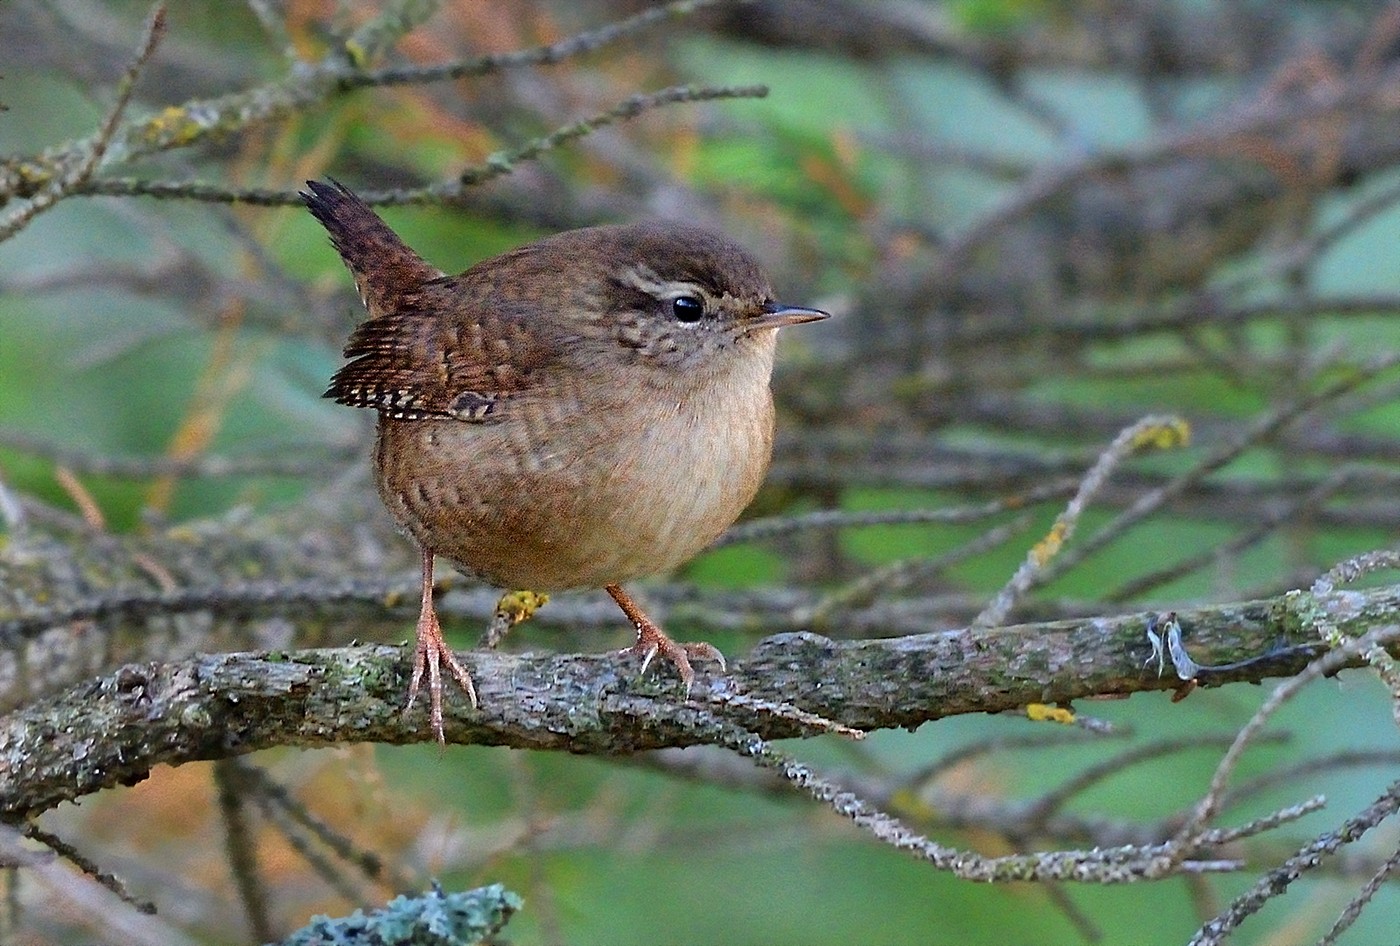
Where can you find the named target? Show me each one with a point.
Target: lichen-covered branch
(341, 70)
(114, 729)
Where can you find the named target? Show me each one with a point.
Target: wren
(575, 413)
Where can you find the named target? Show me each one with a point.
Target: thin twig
(1254, 434)
(227, 599)
(284, 463)
(1267, 526)
(778, 526)
(241, 847)
(1277, 881)
(82, 498)
(1049, 182)
(1295, 774)
(396, 20)
(1050, 803)
(552, 54)
(1218, 836)
(497, 165)
(1037, 740)
(196, 121)
(1363, 897)
(72, 180)
(895, 577)
(1108, 866)
(1210, 804)
(71, 854)
(1150, 431)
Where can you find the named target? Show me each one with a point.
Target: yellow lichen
(1048, 547)
(359, 56)
(520, 606)
(173, 125)
(1044, 713)
(1166, 436)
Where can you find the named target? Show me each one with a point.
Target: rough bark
(115, 729)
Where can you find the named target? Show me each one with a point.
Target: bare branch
(1159, 432)
(1276, 881)
(1333, 660)
(552, 54)
(197, 121)
(73, 179)
(71, 854)
(216, 706)
(1363, 897)
(498, 165)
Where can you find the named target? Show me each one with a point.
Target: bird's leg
(652, 640)
(430, 652)
(515, 607)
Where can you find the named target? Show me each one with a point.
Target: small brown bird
(575, 413)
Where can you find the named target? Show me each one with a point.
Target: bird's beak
(776, 315)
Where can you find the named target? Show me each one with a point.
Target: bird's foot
(652, 642)
(430, 652)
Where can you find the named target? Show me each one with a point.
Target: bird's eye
(687, 309)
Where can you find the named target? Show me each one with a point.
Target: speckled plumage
(574, 413)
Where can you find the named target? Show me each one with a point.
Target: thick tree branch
(115, 729)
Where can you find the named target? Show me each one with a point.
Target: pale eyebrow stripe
(646, 280)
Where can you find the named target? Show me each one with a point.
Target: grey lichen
(432, 919)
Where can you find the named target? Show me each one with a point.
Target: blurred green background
(136, 327)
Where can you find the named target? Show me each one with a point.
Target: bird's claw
(653, 642)
(430, 652)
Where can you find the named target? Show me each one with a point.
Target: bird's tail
(383, 266)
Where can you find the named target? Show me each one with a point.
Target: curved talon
(703, 650)
(647, 654)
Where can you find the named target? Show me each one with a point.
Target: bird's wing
(449, 349)
(434, 345)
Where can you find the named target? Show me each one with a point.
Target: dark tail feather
(383, 266)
